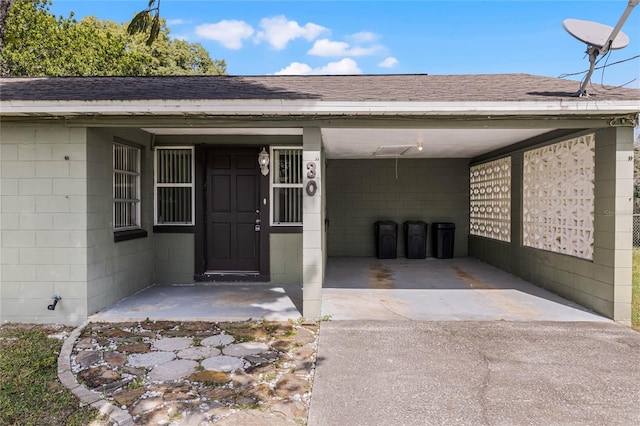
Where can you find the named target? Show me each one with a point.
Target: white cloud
(229, 33)
(362, 37)
(343, 66)
(389, 62)
(295, 68)
(175, 22)
(325, 47)
(278, 31)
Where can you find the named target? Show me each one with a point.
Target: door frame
(200, 240)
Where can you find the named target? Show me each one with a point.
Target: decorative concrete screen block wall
(558, 197)
(490, 199)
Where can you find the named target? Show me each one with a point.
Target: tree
(37, 43)
(5, 6)
(147, 20)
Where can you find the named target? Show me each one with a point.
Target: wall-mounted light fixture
(420, 147)
(263, 161)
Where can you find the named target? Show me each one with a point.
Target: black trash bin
(415, 238)
(443, 234)
(386, 239)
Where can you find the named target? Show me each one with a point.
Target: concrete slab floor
(231, 302)
(458, 289)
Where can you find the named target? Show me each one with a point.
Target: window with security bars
(126, 187)
(174, 188)
(286, 186)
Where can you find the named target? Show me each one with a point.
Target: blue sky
(376, 37)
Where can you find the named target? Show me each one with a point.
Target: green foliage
(140, 22)
(36, 43)
(30, 393)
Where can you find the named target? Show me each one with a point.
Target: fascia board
(306, 107)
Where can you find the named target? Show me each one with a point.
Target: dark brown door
(233, 207)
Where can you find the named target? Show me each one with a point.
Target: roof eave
(180, 107)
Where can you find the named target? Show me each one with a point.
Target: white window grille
(558, 197)
(126, 187)
(174, 186)
(490, 199)
(286, 186)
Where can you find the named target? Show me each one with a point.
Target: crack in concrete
(384, 305)
(483, 388)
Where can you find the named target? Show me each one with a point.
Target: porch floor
(215, 302)
(363, 288)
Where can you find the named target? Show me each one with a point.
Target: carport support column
(312, 234)
(614, 218)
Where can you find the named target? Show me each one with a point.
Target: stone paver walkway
(194, 373)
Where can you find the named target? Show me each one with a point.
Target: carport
(537, 181)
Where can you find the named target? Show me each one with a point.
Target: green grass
(635, 299)
(30, 393)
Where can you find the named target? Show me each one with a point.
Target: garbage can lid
(444, 225)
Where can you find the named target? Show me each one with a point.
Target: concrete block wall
(115, 269)
(361, 192)
(43, 239)
(286, 259)
(603, 284)
(313, 226)
(174, 258)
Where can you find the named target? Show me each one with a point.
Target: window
(286, 186)
(174, 188)
(126, 187)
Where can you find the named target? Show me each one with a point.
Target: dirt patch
(380, 278)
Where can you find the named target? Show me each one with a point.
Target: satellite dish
(594, 33)
(599, 38)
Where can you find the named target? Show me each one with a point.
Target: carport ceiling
(437, 143)
(350, 143)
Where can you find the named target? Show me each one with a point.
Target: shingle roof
(389, 88)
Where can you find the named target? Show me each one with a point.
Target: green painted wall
(286, 259)
(174, 258)
(603, 284)
(115, 269)
(361, 192)
(43, 223)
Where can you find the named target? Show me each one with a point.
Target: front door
(232, 211)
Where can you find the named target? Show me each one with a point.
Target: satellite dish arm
(607, 44)
(595, 51)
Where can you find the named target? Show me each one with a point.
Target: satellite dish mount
(599, 38)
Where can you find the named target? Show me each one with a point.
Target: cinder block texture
(39, 165)
(361, 192)
(602, 284)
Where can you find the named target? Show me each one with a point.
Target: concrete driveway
(476, 373)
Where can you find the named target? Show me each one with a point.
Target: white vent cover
(392, 150)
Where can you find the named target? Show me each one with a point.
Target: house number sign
(312, 186)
